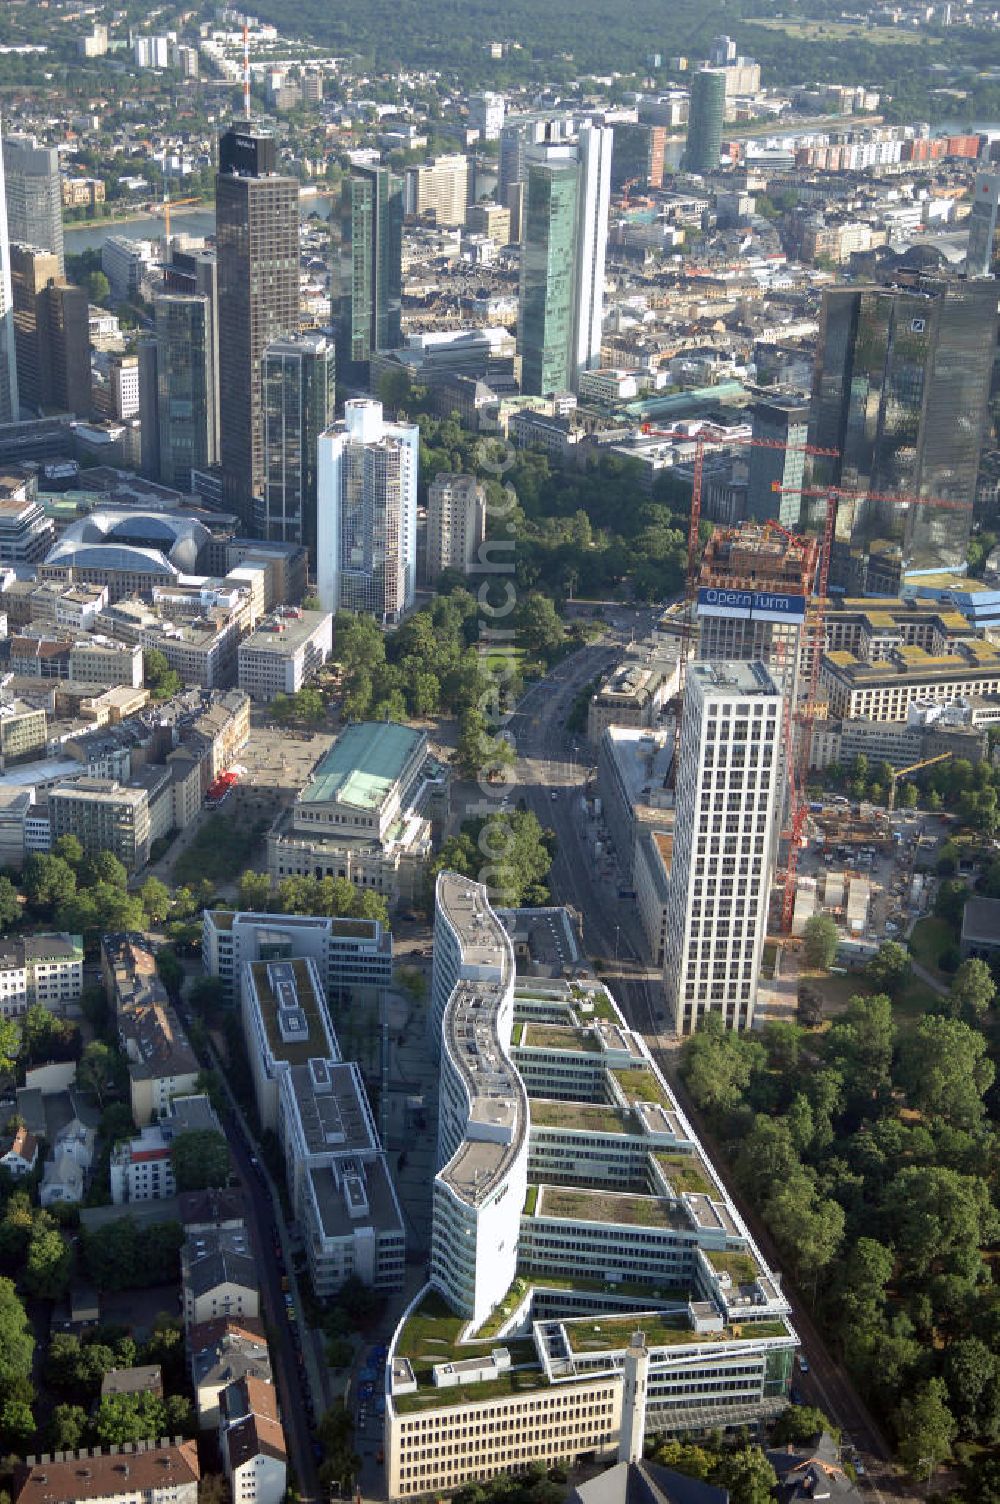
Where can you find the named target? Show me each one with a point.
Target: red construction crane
(834, 495)
(709, 434)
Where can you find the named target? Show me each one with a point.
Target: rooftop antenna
(246, 72)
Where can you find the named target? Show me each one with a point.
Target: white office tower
(982, 257)
(8, 367)
(366, 543)
(720, 881)
(595, 147)
(482, 1176)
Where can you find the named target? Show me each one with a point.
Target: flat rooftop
(336, 1219)
(464, 902)
(294, 1012)
(363, 766)
(283, 634)
(731, 679)
(582, 1117)
(584, 1205)
(332, 1108)
(644, 759)
(499, 1104)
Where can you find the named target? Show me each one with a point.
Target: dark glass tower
(371, 270)
(257, 227)
(707, 112)
(185, 387)
(298, 407)
(900, 388)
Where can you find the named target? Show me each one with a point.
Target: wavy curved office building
(578, 1231)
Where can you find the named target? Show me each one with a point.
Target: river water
(197, 222)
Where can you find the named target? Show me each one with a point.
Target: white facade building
(283, 652)
(456, 523)
(486, 114)
(483, 1109)
(720, 880)
(45, 969)
(367, 513)
(574, 1208)
(350, 954)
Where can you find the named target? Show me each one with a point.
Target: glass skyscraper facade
(257, 231)
(982, 257)
(34, 196)
(547, 275)
(562, 261)
(298, 407)
(371, 269)
(707, 112)
(900, 389)
(185, 387)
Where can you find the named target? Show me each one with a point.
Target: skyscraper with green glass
(370, 293)
(708, 107)
(562, 261)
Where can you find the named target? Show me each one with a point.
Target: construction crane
(833, 496)
(913, 768)
(710, 435)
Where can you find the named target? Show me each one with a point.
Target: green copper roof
(362, 765)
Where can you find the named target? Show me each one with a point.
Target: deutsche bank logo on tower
(751, 604)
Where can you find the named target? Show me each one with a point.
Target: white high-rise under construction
(366, 523)
(723, 859)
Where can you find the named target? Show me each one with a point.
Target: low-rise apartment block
(284, 651)
(151, 1472)
(161, 1063)
(365, 812)
(221, 1352)
(252, 1442)
(44, 969)
(218, 1276)
(543, 1268)
(351, 955)
(142, 1167)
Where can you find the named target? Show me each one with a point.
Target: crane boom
(914, 767)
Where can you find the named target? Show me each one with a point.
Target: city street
(547, 766)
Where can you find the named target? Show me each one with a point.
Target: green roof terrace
(571, 1205)
(312, 1037)
(559, 1037)
(584, 1117)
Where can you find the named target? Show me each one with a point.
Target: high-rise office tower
(184, 412)
(723, 51)
(298, 407)
(638, 155)
(754, 587)
(442, 187)
(257, 232)
(720, 880)
(704, 136)
(371, 270)
(51, 334)
(900, 390)
(776, 476)
(366, 550)
(562, 263)
(8, 361)
(34, 196)
(982, 256)
(197, 272)
(456, 523)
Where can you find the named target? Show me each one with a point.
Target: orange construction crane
(833, 495)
